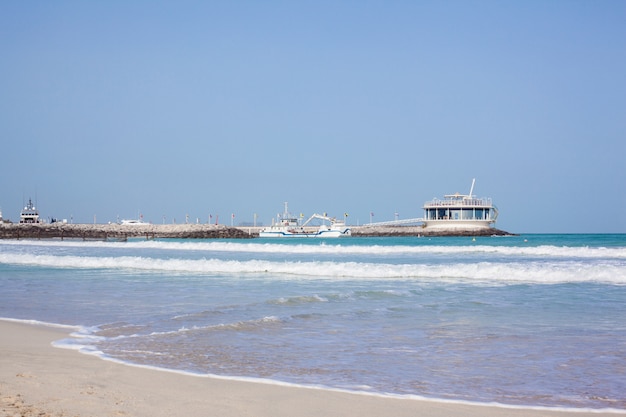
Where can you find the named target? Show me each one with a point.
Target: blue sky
(168, 109)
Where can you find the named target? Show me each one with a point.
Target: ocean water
(531, 320)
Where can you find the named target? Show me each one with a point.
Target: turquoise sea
(530, 320)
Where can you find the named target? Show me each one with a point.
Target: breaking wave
(340, 249)
(487, 272)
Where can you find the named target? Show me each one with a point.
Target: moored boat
(288, 225)
(134, 222)
(29, 214)
(334, 228)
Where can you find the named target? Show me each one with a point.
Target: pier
(118, 232)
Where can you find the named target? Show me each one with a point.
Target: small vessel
(134, 222)
(30, 214)
(337, 228)
(460, 211)
(287, 225)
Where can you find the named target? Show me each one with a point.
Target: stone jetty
(120, 232)
(375, 231)
(381, 231)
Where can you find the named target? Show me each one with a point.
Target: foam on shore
(37, 377)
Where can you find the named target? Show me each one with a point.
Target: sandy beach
(37, 379)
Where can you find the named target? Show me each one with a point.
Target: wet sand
(37, 379)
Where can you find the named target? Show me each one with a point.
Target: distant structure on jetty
(288, 225)
(456, 215)
(460, 212)
(29, 214)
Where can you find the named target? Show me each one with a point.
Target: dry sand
(37, 379)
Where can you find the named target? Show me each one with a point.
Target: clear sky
(175, 108)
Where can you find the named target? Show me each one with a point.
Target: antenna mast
(472, 189)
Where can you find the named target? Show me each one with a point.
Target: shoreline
(48, 381)
(120, 232)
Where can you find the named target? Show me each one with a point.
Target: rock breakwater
(375, 231)
(119, 232)
(201, 231)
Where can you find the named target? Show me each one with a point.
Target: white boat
(336, 228)
(460, 212)
(133, 222)
(287, 225)
(30, 214)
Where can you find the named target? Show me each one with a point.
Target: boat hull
(292, 234)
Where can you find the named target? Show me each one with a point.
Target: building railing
(471, 202)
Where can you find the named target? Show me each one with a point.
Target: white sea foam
(353, 390)
(344, 249)
(185, 304)
(487, 272)
(82, 341)
(42, 323)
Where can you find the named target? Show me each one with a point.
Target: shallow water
(528, 320)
